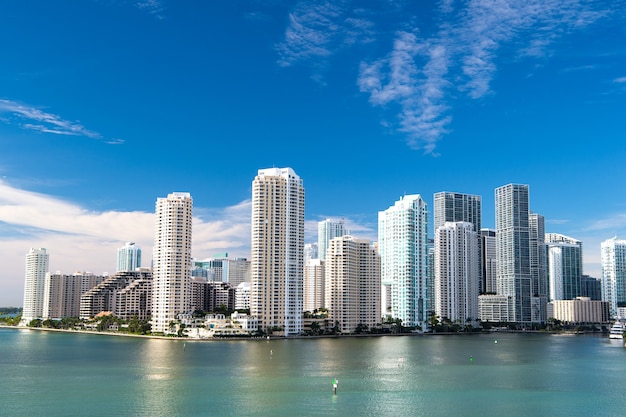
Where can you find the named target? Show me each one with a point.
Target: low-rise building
(581, 310)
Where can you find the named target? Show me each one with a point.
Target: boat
(617, 330)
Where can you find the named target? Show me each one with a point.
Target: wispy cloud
(32, 118)
(153, 7)
(429, 68)
(620, 80)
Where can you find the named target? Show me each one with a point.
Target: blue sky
(106, 105)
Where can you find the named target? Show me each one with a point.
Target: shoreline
(264, 338)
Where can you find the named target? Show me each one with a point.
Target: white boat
(617, 330)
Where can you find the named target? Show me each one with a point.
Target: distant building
(581, 310)
(494, 308)
(222, 268)
(457, 277)
(352, 294)
(34, 284)
(565, 266)
(211, 296)
(126, 294)
(310, 251)
(171, 294)
(242, 296)
(327, 230)
(590, 287)
(128, 257)
(613, 260)
(62, 293)
(538, 268)
(314, 284)
(489, 261)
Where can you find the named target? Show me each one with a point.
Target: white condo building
(327, 230)
(538, 267)
(314, 285)
(457, 275)
(277, 251)
(565, 266)
(34, 284)
(613, 260)
(403, 246)
(171, 293)
(352, 294)
(128, 257)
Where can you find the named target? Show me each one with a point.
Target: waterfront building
(171, 293)
(62, 293)
(242, 296)
(580, 310)
(430, 281)
(34, 284)
(538, 267)
(457, 275)
(314, 284)
(222, 268)
(590, 287)
(212, 296)
(126, 294)
(277, 250)
(352, 294)
(565, 266)
(494, 308)
(513, 278)
(613, 260)
(327, 230)
(489, 261)
(128, 257)
(403, 246)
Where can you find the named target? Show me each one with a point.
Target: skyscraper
(565, 266)
(326, 231)
(538, 268)
(489, 260)
(277, 249)
(513, 278)
(171, 293)
(457, 207)
(456, 272)
(128, 257)
(403, 246)
(613, 259)
(352, 294)
(34, 284)
(314, 284)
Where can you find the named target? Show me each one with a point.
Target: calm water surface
(61, 374)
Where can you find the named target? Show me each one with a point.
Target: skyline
(365, 104)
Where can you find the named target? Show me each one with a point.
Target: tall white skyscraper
(457, 275)
(171, 293)
(565, 266)
(128, 257)
(352, 294)
(613, 259)
(403, 246)
(277, 249)
(34, 284)
(326, 231)
(513, 279)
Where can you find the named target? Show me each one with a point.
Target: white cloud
(620, 80)
(32, 118)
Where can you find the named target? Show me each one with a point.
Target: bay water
(500, 374)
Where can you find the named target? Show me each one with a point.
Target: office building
(34, 284)
(352, 294)
(591, 287)
(457, 275)
(171, 293)
(277, 251)
(613, 260)
(128, 257)
(403, 246)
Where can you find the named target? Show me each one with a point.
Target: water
(59, 374)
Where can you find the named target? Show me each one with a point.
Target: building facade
(314, 284)
(277, 250)
(489, 261)
(613, 260)
(63, 292)
(352, 294)
(34, 284)
(513, 278)
(403, 246)
(128, 257)
(457, 277)
(171, 293)
(565, 266)
(538, 268)
(580, 310)
(327, 230)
